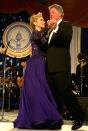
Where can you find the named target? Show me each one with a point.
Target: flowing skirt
(37, 104)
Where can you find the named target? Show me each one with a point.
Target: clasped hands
(52, 23)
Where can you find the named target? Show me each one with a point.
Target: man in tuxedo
(82, 74)
(58, 63)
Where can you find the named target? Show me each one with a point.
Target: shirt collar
(56, 29)
(58, 22)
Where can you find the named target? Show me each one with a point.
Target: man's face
(55, 14)
(23, 64)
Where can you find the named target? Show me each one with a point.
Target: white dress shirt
(54, 30)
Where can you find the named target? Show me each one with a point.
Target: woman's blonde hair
(34, 18)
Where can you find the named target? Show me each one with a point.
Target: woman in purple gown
(37, 109)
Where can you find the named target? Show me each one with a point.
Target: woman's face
(40, 23)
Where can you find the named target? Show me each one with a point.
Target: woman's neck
(38, 28)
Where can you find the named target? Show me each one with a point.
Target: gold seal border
(13, 53)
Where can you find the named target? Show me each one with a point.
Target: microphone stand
(10, 85)
(81, 71)
(4, 84)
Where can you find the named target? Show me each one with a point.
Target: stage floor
(7, 118)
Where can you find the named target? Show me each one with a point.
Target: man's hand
(51, 23)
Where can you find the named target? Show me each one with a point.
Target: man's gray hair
(57, 7)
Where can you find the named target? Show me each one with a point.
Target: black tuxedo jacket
(58, 55)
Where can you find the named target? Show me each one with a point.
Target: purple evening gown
(37, 104)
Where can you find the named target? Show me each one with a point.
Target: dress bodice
(39, 42)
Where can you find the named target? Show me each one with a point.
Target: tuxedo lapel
(56, 30)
